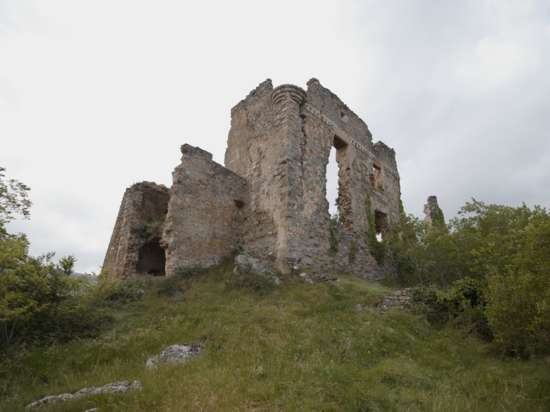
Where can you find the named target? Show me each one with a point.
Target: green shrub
(377, 248)
(118, 291)
(462, 304)
(72, 319)
(427, 300)
(148, 230)
(519, 313)
(39, 301)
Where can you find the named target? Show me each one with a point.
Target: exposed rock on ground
(115, 387)
(400, 299)
(313, 277)
(174, 354)
(247, 264)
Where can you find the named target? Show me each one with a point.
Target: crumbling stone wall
(280, 142)
(206, 212)
(136, 235)
(270, 198)
(261, 161)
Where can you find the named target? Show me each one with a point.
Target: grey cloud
(459, 89)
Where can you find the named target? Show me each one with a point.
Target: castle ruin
(269, 200)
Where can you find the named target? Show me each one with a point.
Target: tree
(14, 199)
(66, 264)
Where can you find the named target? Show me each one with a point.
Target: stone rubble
(115, 387)
(247, 264)
(317, 277)
(174, 354)
(400, 299)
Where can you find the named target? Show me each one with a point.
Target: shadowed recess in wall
(151, 258)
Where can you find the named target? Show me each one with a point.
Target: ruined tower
(269, 201)
(433, 215)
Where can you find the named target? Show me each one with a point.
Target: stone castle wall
(206, 212)
(280, 141)
(270, 198)
(142, 210)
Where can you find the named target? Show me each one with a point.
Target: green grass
(300, 347)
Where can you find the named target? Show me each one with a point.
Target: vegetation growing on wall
(333, 230)
(377, 247)
(438, 219)
(149, 230)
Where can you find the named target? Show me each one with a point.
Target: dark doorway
(151, 259)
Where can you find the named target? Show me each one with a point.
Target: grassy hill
(296, 347)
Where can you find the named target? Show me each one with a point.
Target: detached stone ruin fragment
(433, 214)
(269, 200)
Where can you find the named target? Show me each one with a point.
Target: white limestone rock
(174, 354)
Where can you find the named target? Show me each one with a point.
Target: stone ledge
(286, 91)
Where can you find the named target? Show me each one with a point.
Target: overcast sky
(97, 95)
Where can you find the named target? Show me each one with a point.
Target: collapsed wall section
(206, 212)
(135, 242)
(385, 183)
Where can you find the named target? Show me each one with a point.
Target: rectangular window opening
(381, 224)
(376, 177)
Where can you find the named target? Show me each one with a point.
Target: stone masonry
(132, 249)
(269, 201)
(205, 212)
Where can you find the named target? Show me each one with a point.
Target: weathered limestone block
(400, 299)
(206, 212)
(174, 354)
(115, 387)
(245, 264)
(134, 246)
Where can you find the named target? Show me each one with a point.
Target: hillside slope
(303, 347)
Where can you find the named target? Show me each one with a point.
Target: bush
(426, 299)
(462, 304)
(72, 319)
(519, 313)
(118, 291)
(496, 260)
(39, 300)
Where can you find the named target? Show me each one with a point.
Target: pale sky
(97, 95)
